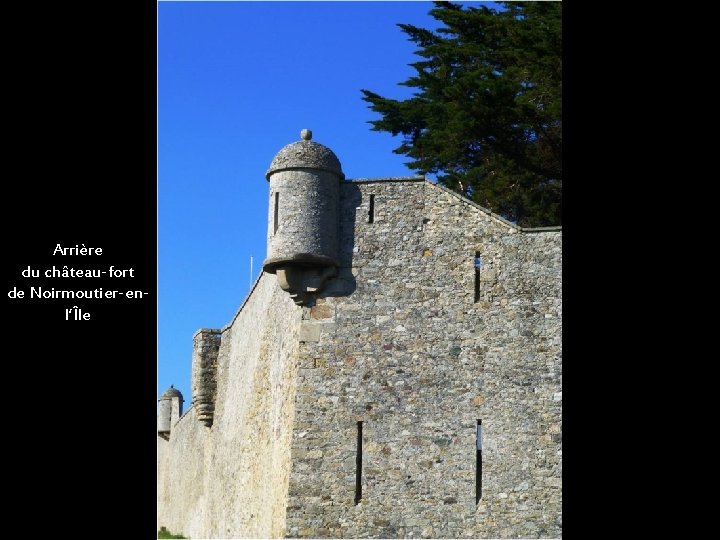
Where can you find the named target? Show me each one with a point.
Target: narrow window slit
(358, 464)
(371, 212)
(477, 263)
(275, 212)
(478, 462)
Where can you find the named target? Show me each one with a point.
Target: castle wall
(181, 466)
(230, 480)
(400, 343)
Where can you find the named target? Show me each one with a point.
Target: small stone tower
(171, 403)
(303, 219)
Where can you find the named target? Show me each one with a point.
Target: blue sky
(237, 81)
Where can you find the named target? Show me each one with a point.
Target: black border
(80, 395)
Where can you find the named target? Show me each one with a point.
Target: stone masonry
(440, 316)
(206, 344)
(412, 355)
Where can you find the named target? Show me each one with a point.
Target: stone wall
(230, 480)
(400, 343)
(181, 469)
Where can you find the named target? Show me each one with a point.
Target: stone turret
(171, 403)
(206, 345)
(302, 245)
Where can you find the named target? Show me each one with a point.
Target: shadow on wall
(344, 283)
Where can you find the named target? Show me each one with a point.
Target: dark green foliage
(487, 113)
(164, 533)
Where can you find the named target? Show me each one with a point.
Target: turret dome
(171, 393)
(305, 154)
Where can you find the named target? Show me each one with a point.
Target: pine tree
(487, 114)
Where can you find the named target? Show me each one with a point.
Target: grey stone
(288, 385)
(310, 332)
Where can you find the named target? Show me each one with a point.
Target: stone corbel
(304, 282)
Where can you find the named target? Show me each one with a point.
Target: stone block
(310, 332)
(324, 311)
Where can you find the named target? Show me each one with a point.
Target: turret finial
(306, 134)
